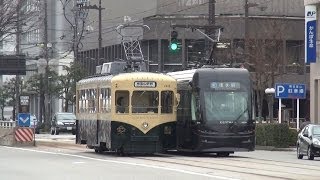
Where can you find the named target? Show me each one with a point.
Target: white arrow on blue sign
(24, 119)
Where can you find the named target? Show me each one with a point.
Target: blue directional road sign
(290, 91)
(24, 119)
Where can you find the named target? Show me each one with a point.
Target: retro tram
(127, 113)
(215, 113)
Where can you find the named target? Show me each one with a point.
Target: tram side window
(92, 101)
(78, 101)
(82, 101)
(105, 99)
(122, 101)
(167, 102)
(145, 101)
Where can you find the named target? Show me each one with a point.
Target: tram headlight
(167, 130)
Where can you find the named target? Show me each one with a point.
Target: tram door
(185, 125)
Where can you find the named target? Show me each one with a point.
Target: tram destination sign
(145, 84)
(225, 85)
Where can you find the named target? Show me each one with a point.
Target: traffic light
(173, 41)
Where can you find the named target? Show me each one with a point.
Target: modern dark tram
(215, 114)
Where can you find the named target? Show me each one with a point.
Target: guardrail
(7, 124)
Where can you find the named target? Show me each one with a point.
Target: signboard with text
(310, 34)
(24, 104)
(290, 91)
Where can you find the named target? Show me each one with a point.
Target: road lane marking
(127, 163)
(78, 162)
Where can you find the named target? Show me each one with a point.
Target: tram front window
(145, 101)
(122, 101)
(226, 106)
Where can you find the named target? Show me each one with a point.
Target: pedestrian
(304, 123)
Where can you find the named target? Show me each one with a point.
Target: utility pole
(75, 34)
(211, 22)
(46, 79)
(100, 27)
(100, 33)
(17, 82)
(246, 26)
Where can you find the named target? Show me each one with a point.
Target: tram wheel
(223, 154)
(120, 152)
(98, 150)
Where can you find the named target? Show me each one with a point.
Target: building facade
(279, 22)
(59, 47)
(314, 73)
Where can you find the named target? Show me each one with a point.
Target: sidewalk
(271, 148)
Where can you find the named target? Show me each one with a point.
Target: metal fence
(7, 124)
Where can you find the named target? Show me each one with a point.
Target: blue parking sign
(24, 119)
(290, 91)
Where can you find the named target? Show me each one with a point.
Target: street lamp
(270, 92)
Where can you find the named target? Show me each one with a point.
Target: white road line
(78, 162)
(126, 163)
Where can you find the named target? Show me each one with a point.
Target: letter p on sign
(280, 90)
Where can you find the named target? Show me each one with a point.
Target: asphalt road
(20, 164)
(244, 165)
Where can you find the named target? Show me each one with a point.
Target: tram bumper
(226, 143)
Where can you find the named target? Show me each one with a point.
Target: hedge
(276, 135)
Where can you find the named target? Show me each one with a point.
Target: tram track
(238, 166)
(257, 169)
(250, 160)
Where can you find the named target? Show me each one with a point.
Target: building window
(183, 3)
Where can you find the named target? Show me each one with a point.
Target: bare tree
(9, 16)
(78, 16)
(265, 56)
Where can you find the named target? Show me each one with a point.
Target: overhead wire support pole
(46, 84)
(100, 33)
(246, 29)
(17, 82)
(211, 22)
(100, 8)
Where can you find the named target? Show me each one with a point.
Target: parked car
(63, 122)
(308, 143)
(34, 123)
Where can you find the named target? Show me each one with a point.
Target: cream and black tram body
(130, 112)
(215, 113)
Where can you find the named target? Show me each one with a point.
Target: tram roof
(187, 75)
(142, 76)
(95, 79)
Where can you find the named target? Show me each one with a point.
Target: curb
(271, 148)
(59, 144)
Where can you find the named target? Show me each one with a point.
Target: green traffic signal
(173, 46)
